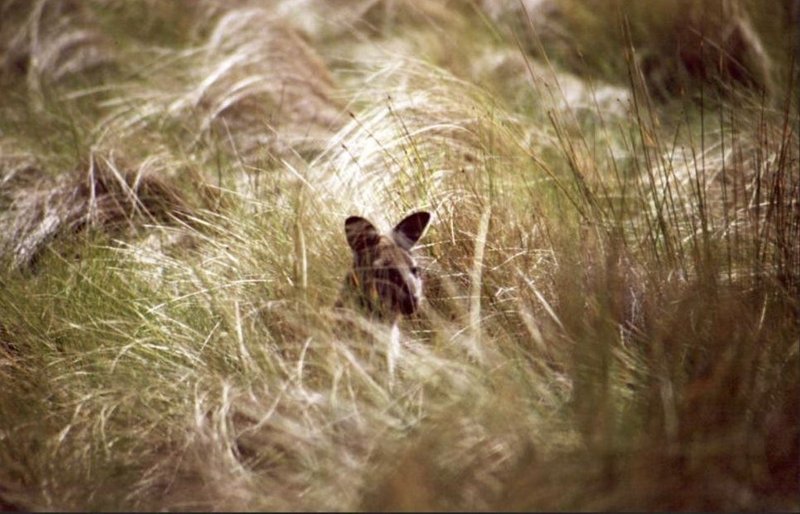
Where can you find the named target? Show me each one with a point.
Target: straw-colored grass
(612, 270)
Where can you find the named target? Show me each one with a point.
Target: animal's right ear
(360, 233)
(408, 231)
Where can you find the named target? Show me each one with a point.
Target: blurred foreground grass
(613, 270)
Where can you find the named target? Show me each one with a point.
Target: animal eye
(415, 270)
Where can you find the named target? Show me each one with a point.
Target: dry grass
(612, 268)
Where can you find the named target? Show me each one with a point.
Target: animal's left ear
(408, 231)
(361, 234)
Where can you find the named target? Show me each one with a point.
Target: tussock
(369, 18)
(254, 87)
(48, 41)
(101, 197)
(681, 46)
(611, 314)
(524, 80)
(379, 151)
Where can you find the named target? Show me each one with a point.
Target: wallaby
(385, 281)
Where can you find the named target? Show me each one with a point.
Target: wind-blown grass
(612, 278)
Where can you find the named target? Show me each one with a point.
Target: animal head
(385, 279)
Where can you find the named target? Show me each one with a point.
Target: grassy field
(612, 314)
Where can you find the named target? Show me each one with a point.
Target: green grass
(612, 271)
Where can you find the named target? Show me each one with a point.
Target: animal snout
(400, 297)
(410, 304)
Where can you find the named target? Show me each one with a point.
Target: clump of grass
(682, 46)
(48, 42)
(612, 314)
(104, 196)
(252, 88)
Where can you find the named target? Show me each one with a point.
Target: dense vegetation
(612, 271)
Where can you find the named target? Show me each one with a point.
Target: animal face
(385, 279)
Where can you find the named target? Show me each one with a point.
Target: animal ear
(360, 233)
(408, 231)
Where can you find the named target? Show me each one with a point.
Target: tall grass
(612, 276)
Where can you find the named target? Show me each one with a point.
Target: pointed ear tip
(420, 215)
(424, 217)
(353, 221)
(415, 221)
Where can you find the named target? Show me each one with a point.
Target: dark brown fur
(385, 280)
